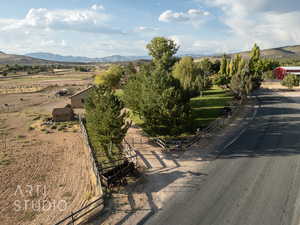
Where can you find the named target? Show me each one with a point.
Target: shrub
(290, 81)
(269, 75)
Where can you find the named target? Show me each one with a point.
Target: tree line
(30, 69)
(159, 92)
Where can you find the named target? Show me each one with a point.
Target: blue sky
(98, 28)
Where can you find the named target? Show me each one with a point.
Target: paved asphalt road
(255, 181)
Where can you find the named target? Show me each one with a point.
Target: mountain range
(49, 58)
(80, 59)
(21, 59)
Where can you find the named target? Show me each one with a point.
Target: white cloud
(85, 20)
(270, 23)
(97, 7)
(84, 32)
(195, 16)
(145, 29)
(240, 6)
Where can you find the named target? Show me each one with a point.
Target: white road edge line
(242, 131)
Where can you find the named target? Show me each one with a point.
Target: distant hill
(20, 59)
(281, 52)
(49, 58)
(60, 58)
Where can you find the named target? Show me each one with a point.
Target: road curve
(256, 181)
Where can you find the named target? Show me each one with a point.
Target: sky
(99, 28)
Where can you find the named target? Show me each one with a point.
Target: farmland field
(37, 155)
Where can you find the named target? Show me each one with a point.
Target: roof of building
(290, 67)
(82, 91)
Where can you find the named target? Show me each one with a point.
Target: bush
(269, 75)
(290, 81)
(111, 78)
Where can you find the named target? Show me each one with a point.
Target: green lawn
(207, 108)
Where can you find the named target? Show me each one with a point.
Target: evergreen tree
(216, 66)
(162, 51)
(223, 66)
(159, 98)
(256, 66)
(105, 120)
(165, 106)
(223, 78)
(241, 83)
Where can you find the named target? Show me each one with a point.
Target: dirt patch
(54, 161)
(44, 172)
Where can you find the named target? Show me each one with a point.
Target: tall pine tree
(105, 121)
(159, 98)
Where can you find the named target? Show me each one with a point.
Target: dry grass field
(36, 157)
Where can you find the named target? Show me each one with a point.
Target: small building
(78, 99)
(281, 72)
(63, 114)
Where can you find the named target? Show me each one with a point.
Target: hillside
(20, 59)
(27, 60)
(281, 52)
(49, 58)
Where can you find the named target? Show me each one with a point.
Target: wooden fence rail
(92, 158)
(73, 217)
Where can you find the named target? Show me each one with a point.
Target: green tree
(241, 83)
(191, 76)
(128, 71)
(222, 79)
(256, 66)
(105, 120)
(111, 77)
(235, 64)
(216, 66)
(186, 72)
(165, 107)
(290, 81)
(207, 66)
(159, 98)
(223, 66)
(162, 51)
(255, 53)
(133, 89)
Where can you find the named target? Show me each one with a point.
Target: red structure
(280, 72)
